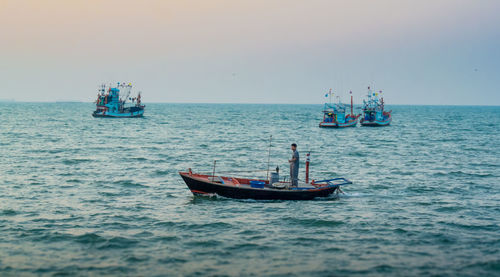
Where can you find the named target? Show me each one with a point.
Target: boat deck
(245, 183)
(229, 181)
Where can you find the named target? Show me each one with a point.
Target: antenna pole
(213, 172)
(351, 105)
(307, 167)
(269, 156)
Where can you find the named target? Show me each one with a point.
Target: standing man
(294, 166)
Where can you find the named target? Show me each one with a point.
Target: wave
(76, 270)
(459, 173)
(89, 238)
(165, 224)
(8, 212)
(383, 268)
(140, 159)
(473, 227)
(165, 238)
(204, 243)
(205, 226)
(313, 222)
(76, 161)
(129, 183)
(248, 246)
(111, 194)
(137, 259)
(450, 209)
(118, 243)
(492, 265)
(162, 172)
(172, 260)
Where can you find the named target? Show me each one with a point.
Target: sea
(84, 196)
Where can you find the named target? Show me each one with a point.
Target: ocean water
(83, 196)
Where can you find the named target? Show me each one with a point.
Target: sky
(437, 52)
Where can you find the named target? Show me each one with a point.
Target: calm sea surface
(87, 196)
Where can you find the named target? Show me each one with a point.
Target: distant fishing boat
(373, 111)
(109, 103)
(334, 115)
(261, 189)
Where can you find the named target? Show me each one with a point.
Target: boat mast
(350, 92)
(307, 167)
(381, 100)
(269, 156)
(330, 92)
(370, 99)
(352, 114)
(213, 172)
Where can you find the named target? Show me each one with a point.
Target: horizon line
(5, 101)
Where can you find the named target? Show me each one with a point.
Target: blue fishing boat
(335, 115)
(110, 104)
(374, 114)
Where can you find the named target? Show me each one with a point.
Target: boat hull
(200, 186)
(138, 113)
(352, 123)
(376, 123)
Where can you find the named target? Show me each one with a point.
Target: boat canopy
(335, 108)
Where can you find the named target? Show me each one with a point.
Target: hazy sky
(290, 51)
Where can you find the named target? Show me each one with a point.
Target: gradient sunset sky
(218, 51)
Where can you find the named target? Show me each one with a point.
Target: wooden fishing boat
(334, 115)
(260, 189)
(110, 104)
(373, 111)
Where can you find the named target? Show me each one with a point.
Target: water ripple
(85, 196)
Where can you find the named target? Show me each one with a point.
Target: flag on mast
(329, 93)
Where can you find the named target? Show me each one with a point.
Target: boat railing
(333, 182)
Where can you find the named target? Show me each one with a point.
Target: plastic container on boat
(257, 184)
